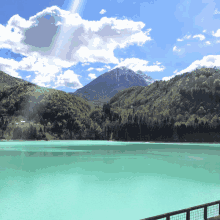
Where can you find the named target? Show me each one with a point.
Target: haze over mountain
(104, 87)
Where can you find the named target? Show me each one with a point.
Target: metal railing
(187, 213)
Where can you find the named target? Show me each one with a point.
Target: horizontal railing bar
(182, 211)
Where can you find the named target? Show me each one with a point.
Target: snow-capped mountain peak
(126, 71)
(145, 76)
(108, 84)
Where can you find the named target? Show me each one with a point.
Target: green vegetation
(185, 108)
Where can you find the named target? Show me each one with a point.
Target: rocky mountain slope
(104, 87)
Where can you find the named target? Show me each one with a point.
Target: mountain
(148, 79)
(184, 108)
(194, 94)
(104, 87)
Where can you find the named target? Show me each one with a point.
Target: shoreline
(156, 142)
(215, 218)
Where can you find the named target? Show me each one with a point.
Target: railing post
(188, 215)
(168, 217)
(205, 212)
(219, 208)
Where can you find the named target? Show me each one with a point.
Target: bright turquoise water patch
(105, 180)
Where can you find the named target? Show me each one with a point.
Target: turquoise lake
(81, 180)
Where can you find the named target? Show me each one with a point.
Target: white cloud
(185, 37)
(102, 11)
(200, 36)
(107, 66)
(209, 61)
(179, 39)
(69, 79)
(204, 31)
(28, 77)
(207, 42)
(170, 77)
(91, 68)
(100, 69)
(92, 76)
(136, 64)
(85, 64)
(175, 49)
(11, 72)
(6, 64)
(50, 41)
(217, 34)
(216, 12)
(45, 70)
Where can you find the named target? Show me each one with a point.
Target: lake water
(81, 180)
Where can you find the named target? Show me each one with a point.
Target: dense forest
(182, 109)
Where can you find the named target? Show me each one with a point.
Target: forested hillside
(49, 107)
(7, 81)
(189, 102)
(185, 108)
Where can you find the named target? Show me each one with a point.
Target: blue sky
(65, 44)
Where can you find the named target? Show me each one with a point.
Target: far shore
(124, 141)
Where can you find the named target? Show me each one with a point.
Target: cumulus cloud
(216, 12)
(54, 39)
(209, 61)
(69, 79)
(92, 76)
(136, 64)
(28, 77)
(170, 77)
(217, 34)
(102, 11)
(91, 68)
(179, 39)
(200, 36)
(85, 64)
(208, 42)
(175, 49)
(107, 66)
(100, 69)
(6, 66)
(185, 37)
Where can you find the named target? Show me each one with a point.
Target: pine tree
(120, 119)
